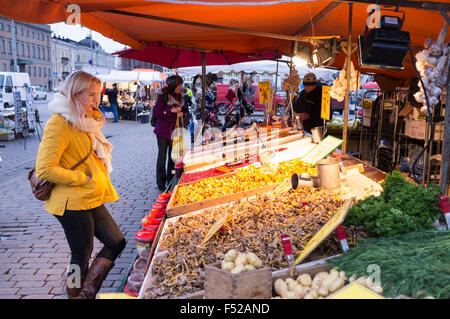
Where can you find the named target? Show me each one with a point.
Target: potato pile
(236, 262)
(323, 285)
(305, 287)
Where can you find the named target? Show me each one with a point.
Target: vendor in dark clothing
(308, 104)
(112, 98)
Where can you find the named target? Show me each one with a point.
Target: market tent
(371, 86)
(260, 67)
(128, 76)
(176, 57)
(242, 26)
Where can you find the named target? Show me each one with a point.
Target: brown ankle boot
(95, 277)
(72, 293)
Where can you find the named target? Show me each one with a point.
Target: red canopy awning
(172, 57)
(245, 26)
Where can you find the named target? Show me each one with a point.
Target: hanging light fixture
(325, 56)
(302, 56)
(315, 58)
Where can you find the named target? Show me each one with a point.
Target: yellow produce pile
(245, 179)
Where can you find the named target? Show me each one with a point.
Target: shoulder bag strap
(85, 158)
(81, 161)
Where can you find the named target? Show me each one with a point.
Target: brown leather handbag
(42, 188)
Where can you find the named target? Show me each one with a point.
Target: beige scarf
(61, 105)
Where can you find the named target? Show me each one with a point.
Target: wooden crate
(207, 203)
(221, 284)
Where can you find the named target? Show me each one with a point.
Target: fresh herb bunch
(413, 264)
(401, 208)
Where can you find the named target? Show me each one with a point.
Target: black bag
(153, 120)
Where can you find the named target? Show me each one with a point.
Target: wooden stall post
(203, 90)
(347, 90)
(446, 144)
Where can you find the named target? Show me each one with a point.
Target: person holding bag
(73, 136)
(168, 104)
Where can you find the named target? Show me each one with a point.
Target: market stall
(136, 92)
(278, 217)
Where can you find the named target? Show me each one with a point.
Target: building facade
(32, 47)
(90, 57)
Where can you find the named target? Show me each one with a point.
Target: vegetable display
(254, 225)
(415, 264)
(236, 262)
(245, 179)
(402, 207)
(304, 287)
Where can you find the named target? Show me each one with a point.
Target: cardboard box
(416, 129)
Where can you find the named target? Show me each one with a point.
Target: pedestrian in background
(168, 104)
(71, 134)
(112, 98)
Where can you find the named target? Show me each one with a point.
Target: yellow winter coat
(62, 146)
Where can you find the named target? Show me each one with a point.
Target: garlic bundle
(432, 64)
(292, 82)
(339, 86)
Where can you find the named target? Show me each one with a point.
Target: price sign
(264, 91)
(325, 112)
(325, 231)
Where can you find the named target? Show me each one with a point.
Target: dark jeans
(115, 112)
(80, 227)
(163, 176)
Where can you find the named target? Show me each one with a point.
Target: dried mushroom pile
(255, 225)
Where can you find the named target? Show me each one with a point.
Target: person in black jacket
(112, 98)
(308, 104)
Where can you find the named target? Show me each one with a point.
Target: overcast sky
(77, 33)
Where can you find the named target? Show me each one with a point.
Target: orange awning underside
(272, 17)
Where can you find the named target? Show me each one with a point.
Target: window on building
(22, 47)
(28, 51)
(37, 35)
(48, 54)
(45, 72)
(4, 67)
(32, 34)
(8, 28)
(28, 33)
(39, 52)
(21, 31)
(43, 53)
(78, 58)
(3, 46)
(9, 47)
(49, 72)
(40, 72)
(34, 71)
(29, 70)
(34, 51)
(1, 26)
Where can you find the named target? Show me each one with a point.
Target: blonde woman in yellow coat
(78, 197)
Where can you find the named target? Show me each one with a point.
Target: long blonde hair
(74, 84)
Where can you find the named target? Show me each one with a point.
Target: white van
(11, 82)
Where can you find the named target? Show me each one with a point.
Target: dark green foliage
(415, 264)
(401, 208)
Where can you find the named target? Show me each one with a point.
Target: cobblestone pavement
(34, 253)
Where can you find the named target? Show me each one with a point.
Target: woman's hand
(175, 109)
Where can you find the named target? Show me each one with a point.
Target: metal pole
(203, 89)
(446, 143)
(14, 48)
(347, 90)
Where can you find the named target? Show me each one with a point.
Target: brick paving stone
(38, 297)
(34, 291)
(8, 291)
